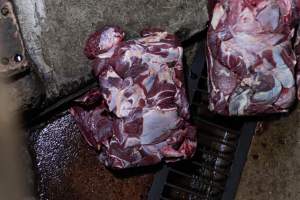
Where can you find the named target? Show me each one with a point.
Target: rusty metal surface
(12, 52)
(67, 168)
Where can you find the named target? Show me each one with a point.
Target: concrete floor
(67, 169)
(273, 167)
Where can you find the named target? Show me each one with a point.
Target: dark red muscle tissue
(251, 61)
(139, 114)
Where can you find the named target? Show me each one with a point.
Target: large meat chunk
(139, 115)
(250, 57)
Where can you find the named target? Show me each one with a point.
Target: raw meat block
(139, 114)
(250, 57)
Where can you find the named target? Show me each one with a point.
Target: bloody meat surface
(250, 57)
(139, 114)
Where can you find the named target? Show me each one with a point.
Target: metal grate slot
(175, 193)
(164, 198)
(211, 151)
(216, 132)
(200, 97)
(193, 170)
(220, 125)
(211, 138)
(212, 160)
(202, 188)
(201, 112)
(216, 146)
(176, 175)
(210, 167)
(202, 84)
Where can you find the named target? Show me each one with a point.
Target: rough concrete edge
(35, 14)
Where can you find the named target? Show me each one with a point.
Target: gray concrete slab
(273, 167)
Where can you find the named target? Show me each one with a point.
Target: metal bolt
(5, 61)
(4, 11)
(18, 58)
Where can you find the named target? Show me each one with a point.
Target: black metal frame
(239, 161)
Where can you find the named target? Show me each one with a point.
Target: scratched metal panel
(12, 52)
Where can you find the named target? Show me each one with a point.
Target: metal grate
(223, 145)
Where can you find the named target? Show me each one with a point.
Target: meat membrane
(250, 57)
(138, 115)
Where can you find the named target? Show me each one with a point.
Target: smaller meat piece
(139, 114)
(250, 59)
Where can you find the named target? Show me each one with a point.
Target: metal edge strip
(158, 184)
(240, 158)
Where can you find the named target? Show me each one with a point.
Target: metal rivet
(4, 11)
(18, 58)
(5, 61)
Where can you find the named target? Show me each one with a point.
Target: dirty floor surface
(273, 167)
(68, 169)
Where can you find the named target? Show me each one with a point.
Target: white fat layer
(123, 104)
(239, 103)
(282, 72)
(153, 61)
(218, 14)
(107, 54)
(249, 81)
(132, 141)
(158, 93)
(285, 76)
(148, 82)
(269, 96)
(223, 72)
(250, 45)
(135, 50)
(108, 38)
(156, 123)
(114, 92)
(165, 75)
(269, 17)
(111, 99)
(265, 67)
(111, 73)
(154, 149)
(174, 54)
(154, 38)
(246, 22)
